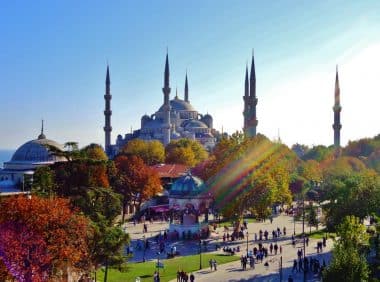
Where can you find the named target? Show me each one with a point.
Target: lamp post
(144, 248)
(158, 263)
(200, 254)
(247, 243)
(303, 234)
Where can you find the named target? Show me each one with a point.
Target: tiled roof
(170, 170)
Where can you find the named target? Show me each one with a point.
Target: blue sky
(54, 54)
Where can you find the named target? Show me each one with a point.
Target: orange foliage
(63, 232)
(136, 178)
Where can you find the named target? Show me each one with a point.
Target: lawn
(318, 234)
(146, 270)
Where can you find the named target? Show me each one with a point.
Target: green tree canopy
(151, 152)
(95, 152)
(185, 151)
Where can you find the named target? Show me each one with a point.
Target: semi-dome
(187, 185)
(37, 151)
(178, 105)
(193, 123)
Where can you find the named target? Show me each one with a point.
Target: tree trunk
(106, 271)
(123, 211)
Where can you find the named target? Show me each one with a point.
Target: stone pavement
(233, 271)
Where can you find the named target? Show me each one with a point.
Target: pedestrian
(215, 264)
(271, 248)
(280, 249)
(307, 241)
(255, 236)
(284, 231)
(275, 248)
(178, 276)
(210, 263)
(192, 277)
(295, 266)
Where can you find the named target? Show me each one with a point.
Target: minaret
(166, 108)
(337, 109)
(252, 121)
(107, 113)
(186, 89)
(246, 100)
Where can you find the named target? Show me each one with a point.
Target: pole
(281, 269)
(144, 248)
(303, 234)
(200, 254)
(247, 243)
(158, 264)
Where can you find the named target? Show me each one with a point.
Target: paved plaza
(233, 271)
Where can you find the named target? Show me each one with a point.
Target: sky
(53, 57)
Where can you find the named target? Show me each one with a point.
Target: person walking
(215, 264)
(295, 266)
(275, 248)
(192, 278)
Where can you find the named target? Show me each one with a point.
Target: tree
(348, 262)
(356, 194)
(319, 153)
(185, 151)
(312, 218)
(48, 236)
(151, 152)
(94, 152)
(43, 182)
(346, 265)
(135, 181)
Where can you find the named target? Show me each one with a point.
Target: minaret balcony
(107, 112)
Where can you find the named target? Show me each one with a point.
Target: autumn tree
(250, 174)
(94, 152)
(135, 181)
(185, 151)
(151, 152)
(42, 237)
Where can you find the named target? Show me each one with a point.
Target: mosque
(175, 119)
(17, 173)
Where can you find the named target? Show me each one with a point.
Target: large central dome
(37, 151)
(178, 105)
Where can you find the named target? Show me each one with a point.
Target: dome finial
(42, 135)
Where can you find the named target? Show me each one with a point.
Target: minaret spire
(252, 86)
(166, 108)
(186, 89)
(337, 109)
(42, 135)
(251, 122)
(246, 99)
(107, 113)
(167, 73)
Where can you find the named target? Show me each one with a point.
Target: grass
(146, 270)
(319, 234)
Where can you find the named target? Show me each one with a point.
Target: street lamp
(247, 243)
(200, 254)
(158, 263)
(144, 248)
(303, 234)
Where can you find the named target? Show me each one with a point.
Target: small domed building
(27, 158)
(188, 202)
